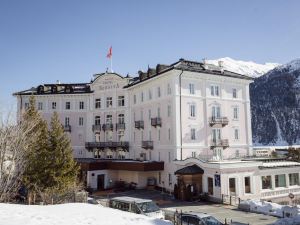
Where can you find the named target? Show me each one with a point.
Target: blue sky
(43, 41)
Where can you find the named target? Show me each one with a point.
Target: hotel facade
(184, 127)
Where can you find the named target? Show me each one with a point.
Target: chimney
(204, 63)
(221, 65)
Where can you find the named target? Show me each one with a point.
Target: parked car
(194, 218)
(137, 205)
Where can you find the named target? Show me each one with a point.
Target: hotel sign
(108, 85)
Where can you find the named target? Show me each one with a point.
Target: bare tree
(15, 139)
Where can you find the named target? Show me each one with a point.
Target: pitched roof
(189, 170)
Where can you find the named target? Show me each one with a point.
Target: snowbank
(272, 209)
(74, 213)
(288, 221)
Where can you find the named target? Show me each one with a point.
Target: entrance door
(232, 189)
(100, 182)
(210, 186)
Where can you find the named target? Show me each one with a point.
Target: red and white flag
(109, 54)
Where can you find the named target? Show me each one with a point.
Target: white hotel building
(187, 125)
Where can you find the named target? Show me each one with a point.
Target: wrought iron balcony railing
(156, 121)
(218, 120)
(147, 144)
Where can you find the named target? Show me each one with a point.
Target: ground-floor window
(266, 182)
(232, 189)
(97, 154)
(294, 179)
(280, 180)
(170, 179)
(159, 177)
(210, 186)
(247, 185)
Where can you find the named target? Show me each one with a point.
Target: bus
(137, 205)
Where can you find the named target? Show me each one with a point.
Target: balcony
(156, 121)
(223, 121)
(147, 144)
(108, 144)
(139, 124)
(128, 165)
(67, 128)
(120, 126)
(219, 143)
(108, 126)
(96, 128)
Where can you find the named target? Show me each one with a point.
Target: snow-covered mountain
(275, 104)
(248, 68)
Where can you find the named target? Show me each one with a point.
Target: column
(287, 180)
(273, 181)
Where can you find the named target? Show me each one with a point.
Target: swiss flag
(109, 54)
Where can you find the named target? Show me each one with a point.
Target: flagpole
(111, 69)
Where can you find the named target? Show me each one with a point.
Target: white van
(137, 205)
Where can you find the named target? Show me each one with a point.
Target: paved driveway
(166, 202)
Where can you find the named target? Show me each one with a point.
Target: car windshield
(209, 220)
(147, 207)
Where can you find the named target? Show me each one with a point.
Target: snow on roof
(73, 213)
(280, 164)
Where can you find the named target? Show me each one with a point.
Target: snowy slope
(243, 67)
(71, 214)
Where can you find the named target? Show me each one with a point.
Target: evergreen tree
(63, 170)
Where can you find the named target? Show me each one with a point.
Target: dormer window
(54, 89)
(40, 89)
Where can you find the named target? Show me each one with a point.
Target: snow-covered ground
(71, 214)
(248, 68)
(274, 209)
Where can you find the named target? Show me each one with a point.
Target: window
(236, 134)
(158, 92)
(121, 119)
(169, 91)
(108, 102)
(192, 89)
(150, 94)
(158, 112)
(53, 105)
(247, 185)
(234, 94)
(134, 99)
(68, 105)
(133, 136)
(142, 115)
(193, 134)
(26, 105)
(169, 134)
(169, 156)
(158, 134)
(169, 110)
(120, 135)
(266, 182)
(121, 101)
(80, 121)
(150, 136)
(235, 113)
(97, 120)
(40, 106)
(232, 185)
(67, 121)
(158, 156)
(97, 103)
(170, 179)
(81, 105)
(214, 90)
(280, 180)
(193, 154)
(216, 112)
(109, 119)
(192, 110)
(216, 134)
(294, 179)
(159, 177)
(149, 114)
(142, 96)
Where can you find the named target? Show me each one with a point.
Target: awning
(190, 170)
